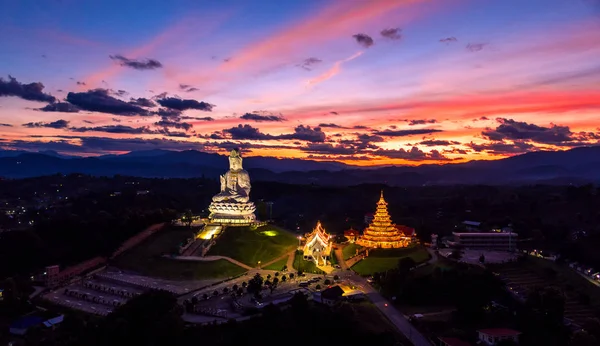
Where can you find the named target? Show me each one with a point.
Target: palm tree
(188, 217)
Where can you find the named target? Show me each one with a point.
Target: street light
(299, 239)
(258, 264)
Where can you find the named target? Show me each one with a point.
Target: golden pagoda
(382, 233)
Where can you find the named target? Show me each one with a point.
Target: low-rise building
(452, 342)
(332, 295)
(496, 241)
(495, 335)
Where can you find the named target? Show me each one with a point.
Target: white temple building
(232, 205)
(318, 246)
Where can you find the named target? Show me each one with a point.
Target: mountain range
(574, 166)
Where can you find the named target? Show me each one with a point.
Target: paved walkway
(210, 259)
(290, 261)
(340, 257)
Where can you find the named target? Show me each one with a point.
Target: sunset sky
(363, 82)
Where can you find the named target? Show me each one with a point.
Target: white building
(495, 241)
(495, 335)
(318, 246)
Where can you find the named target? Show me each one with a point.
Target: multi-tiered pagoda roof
(382, 232)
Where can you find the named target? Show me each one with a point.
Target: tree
(583, 338)
(406, 264)
(482, 259)
(318, 287)
(327, 282)
(275, 281)
(194, 300)
(268, 276)
(283, 278)
(291, 275)
(276, 274)
(244, 284)
(255, 284)
(336, 278)
(188, 218)
(205, 296)
(215, 293)
(235, 287)
(225, 290)
(153, 318)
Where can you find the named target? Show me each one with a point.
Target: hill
(575, 166)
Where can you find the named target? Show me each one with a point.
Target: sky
(370, 82)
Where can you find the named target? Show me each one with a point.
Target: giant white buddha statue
(232, 205)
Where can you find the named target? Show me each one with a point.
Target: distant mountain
(576, 166)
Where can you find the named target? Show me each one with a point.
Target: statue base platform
(232, 214)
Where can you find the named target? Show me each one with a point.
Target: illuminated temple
(318, 245)
(382, 233)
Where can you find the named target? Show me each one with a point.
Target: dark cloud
(166, 132)
(301, 132)
(119, 92)
(403, 133)
(334, 113)
(58, 124)
(437, 142)
(248, 132)
(414, 154)
(360, 127)
(185, 117)
(89, 122)
(392, 33)
(367, 138)
(97, 144)
(187, 88)
(502, 148)
(456, 151)
(142, 102)
(333, 158)
(309, 62)
(449, 40)
(421, 121)
(306, 133)
(115, 129)
(327, 148)
(98, 100)
(80, 83)
(181, 104)
(63, 107)
(5, 125)
(364, 40)
(510, 129)
(168, 113)
(475, 47)
(332, 125)
(54, 145)
(31, 91)
(258, 117)
(116, 120)
(166, 122)
(148, 64)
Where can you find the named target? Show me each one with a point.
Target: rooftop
(454, 342)
(499, 332)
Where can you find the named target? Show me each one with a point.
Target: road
(395, 316)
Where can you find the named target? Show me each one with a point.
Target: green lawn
(350, 250)
(381, 260)
(278, 265)
(249, 245)
(305, 266)
(145, 258)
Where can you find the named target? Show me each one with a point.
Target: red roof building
(351, 234)
(453, 342)
(494, 335)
